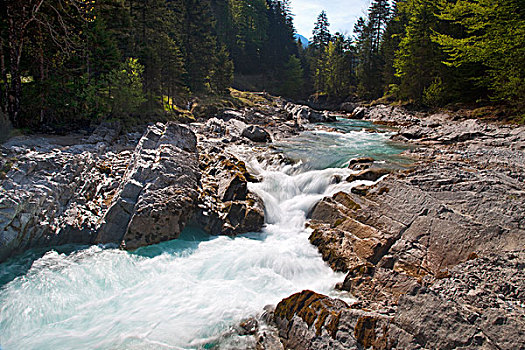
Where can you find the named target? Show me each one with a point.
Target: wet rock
(361, 190)
(362, 160)
(226, 206)
(256, 134)
(373, 174)
(248, 327)
(359, 113)
(308, 320)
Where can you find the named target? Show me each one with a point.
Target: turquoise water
(190, 292)
(319, 149)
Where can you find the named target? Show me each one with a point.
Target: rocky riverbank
(137, 188)
(434, 255)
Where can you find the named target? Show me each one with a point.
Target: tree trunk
(41, 73)
(16, 42)
(3, 70)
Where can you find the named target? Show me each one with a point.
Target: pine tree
(369, 38)
(293, 78)
(320, 40)
(418, 60)
(321, 34)
(378, 16)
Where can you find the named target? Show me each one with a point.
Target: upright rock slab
(159, 191)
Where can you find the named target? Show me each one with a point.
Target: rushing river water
(187, 293)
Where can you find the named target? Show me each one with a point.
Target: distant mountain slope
(304, 41)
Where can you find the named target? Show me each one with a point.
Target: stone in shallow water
(368, 175)
(256, 134)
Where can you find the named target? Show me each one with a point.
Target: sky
(342, 14)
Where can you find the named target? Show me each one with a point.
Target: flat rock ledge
(434, 255)
(473, 308)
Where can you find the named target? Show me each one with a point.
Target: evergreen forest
(72, 62)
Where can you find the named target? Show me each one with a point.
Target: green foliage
(492, 35)
(258, 35)
(222, 73)
(293, 78)
(418, 59)
(72, 62)
(434, 94)
(125, 88)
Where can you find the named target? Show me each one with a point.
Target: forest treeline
(430, 52)
(65, 61)
(79, 60)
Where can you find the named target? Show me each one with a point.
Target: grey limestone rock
(158, 194)
(256, 134)
(62, 189)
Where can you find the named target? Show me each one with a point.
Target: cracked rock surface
(434, 255)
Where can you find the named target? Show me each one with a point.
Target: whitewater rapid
(183, 294)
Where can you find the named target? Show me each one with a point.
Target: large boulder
(360, 164)
(231, 128)
(159, 192)
(372, 174)
(304, 114)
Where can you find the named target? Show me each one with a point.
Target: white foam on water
(181, 294)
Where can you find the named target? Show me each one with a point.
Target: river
(187, 293)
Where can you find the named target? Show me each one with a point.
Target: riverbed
(188, 293)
